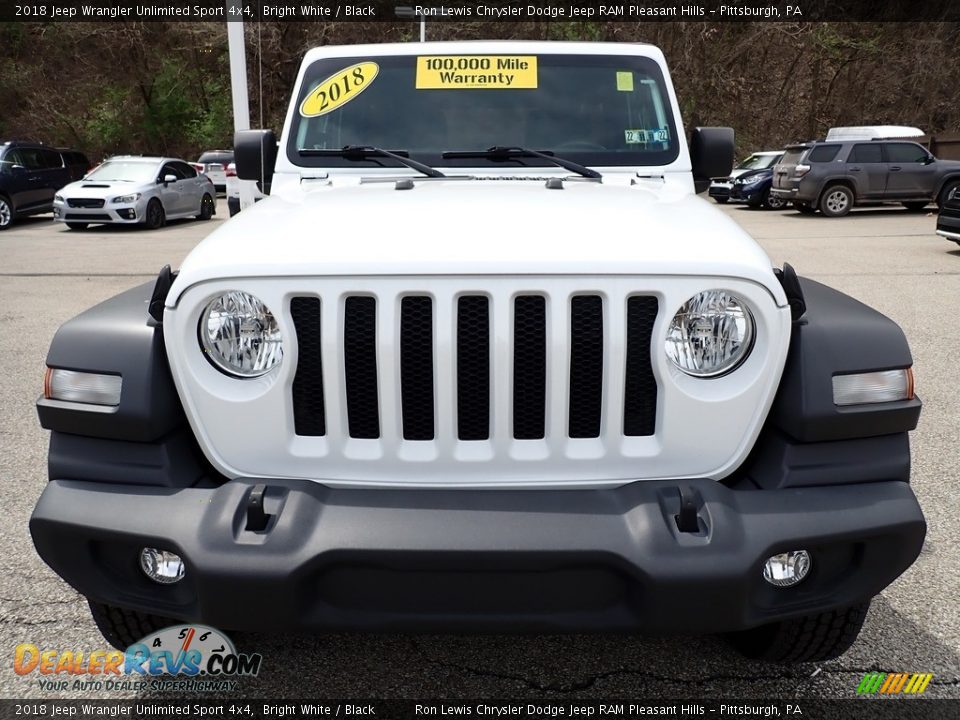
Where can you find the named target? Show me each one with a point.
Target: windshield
(758, 162)
(124, 171)
(594, 110)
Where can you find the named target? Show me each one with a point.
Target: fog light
(873, 387)
(161, 566)
(82, 387)
(787, 569)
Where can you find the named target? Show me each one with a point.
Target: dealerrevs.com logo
(894, 683)
(178, 658)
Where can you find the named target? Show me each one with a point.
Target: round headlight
(710, 335)
(240, 335)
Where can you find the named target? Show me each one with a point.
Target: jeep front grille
(588, 347)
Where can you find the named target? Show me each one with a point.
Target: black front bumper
(948, 221)
(549, 560)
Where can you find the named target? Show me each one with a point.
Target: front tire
(155, 217)
(836, 201)
(945, 193)
(806, 639)
(206, 208)
(804, 209)
(772, 202)
(121, 627)
(6, 213)
(916, 206)
(77, 226)
(721, 200)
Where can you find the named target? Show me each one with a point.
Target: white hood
(464, 227)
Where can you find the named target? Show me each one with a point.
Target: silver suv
(834, 176)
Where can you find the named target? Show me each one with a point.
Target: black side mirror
(255, 154)
(929, 160)
(711, 154)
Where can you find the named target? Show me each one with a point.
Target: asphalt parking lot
(888, 258)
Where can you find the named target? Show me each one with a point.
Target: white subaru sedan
(135, 189)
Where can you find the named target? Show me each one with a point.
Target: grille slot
(416, 367)
(640, 390)
(529, 367)
(473, 368)
(309, 417)
(85, 202)
(586, 366)
(360, 367)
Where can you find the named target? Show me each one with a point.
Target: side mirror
(17, 169)
(255, 154)
(711, 154)
(169, 179)
(929, 160)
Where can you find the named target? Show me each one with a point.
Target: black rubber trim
(172, 461)
(116, 337)
(778, 461)
(835, 336)
(476, 560)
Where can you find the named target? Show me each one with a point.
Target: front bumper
(752, 194)
(719, 189)
(124, 213)
(948, 221)
(545, 560)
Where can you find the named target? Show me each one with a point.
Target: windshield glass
(758, 162)
(124, 170)
(594, 110)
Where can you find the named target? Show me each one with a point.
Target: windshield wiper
(361, 152)
(499, 152)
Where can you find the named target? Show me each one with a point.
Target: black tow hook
(257, 517)
(687, 520)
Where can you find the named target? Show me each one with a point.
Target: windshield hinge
(309, 178)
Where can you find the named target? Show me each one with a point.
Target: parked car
(214, 164)
(948, 221)
(720, 187)
(833, 177)
(455, 389)
(31, 174)
(753, 188)
(233, 190)
(131, 189)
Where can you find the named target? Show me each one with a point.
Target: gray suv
(832, 177)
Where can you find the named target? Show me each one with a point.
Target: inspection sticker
(644, 137)
(624, 81)
(339, 89)
(446, 72)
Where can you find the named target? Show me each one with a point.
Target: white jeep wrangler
(482, 360)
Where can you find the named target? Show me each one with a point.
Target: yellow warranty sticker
(624, 81)
(447, 72)
(339, 89)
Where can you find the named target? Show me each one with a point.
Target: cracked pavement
(889, 258)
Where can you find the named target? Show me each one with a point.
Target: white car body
(100, 199)
(334, 232)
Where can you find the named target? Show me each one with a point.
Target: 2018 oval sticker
(339, 89)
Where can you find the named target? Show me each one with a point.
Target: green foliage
(576, 31)
(108, 120)
(213, 127)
